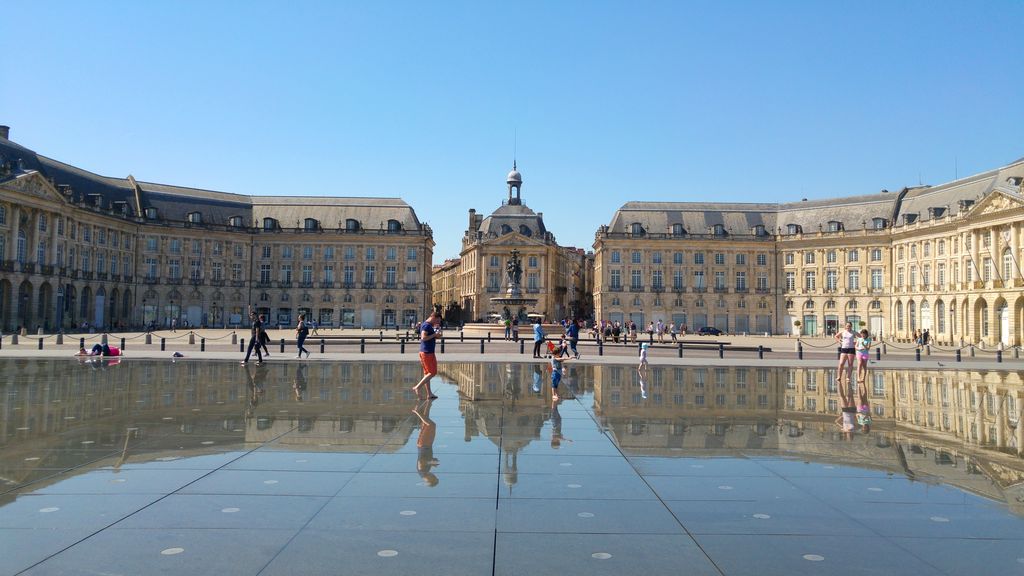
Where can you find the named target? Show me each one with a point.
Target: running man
(429, 333)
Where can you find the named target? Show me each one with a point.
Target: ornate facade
(77, 248)
(940, 258)
(556, 276)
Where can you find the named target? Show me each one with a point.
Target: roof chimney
(5, 132)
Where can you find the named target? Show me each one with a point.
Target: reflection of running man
(425, 444)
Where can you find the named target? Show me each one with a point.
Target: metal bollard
(282, 345)
(972, 350)
(760, 352)
(202, 344)
(461, 335)
(927, 349)
(241, 345)
(958, 355)
(322, 345)
(401, 346)
(799, 351)
(234, 338)
(885, 349)
(600, 348)
(1016, 350)
(721, 350)
(999, 353)
(163, 344)
(14, 339)
(122, 344)
(40, 343)
(442, 344)
(917, 354)
(488, 336)
(482, 343)
(878, 354)
(362, 345)
(522, 346)
(680, 349)
(81, 343)
(381, 337)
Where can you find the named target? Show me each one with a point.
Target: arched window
(394, 226)
(347, 298)
(506, 229)
(352, 225)
(525, 230)
(269, 224)
(851, 305)
(677, 230)
(809, 305)
(21, 247)
(311, 224)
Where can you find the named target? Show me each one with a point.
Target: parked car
(709, 331)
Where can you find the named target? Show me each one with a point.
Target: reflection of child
(863, 344)
(863, 408)
(643, 357)
(556, 371)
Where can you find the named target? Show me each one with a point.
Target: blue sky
(602, 102)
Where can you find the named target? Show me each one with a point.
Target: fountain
(513, 293)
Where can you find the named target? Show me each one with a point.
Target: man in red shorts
(429, 333)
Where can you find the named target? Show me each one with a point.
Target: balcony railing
(390, 285)
(700, 289)
(150, 280)
(763, 290)
(237, 283)
(615, 288)
(28, 267)
(657, 289)
(411, 285)
(305, 284)
(283, 284)
(327, 284)
(196, 281)
(369, 285)
(217, 282)
(742, 290)
(46, 269)
(533, 290)
(174, 281)
(636, 288)
(721, 289)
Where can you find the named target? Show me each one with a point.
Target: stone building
(556, 276)
(940, 258)
(77, 248)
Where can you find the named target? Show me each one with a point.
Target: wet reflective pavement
(149, 467)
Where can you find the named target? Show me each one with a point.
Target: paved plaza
(148, 465)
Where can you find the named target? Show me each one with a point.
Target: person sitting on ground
(102, 350)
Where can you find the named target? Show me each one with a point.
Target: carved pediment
(512, 239)
(34, 184)
(997, 201)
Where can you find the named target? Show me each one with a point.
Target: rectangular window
(635, 257)
(762, 259)
(698, 258)
(831, 280)
(266, 252)
(371, 253)
(411, 254)
(392, 253)
(741, 281)
(809, 281)
(698, 280)
(656, 279)
(218, 271)
(391, 276)
(762, 282)
(307, 274)
(197, 247)
(719, 259)
(175, 246)
(741, 259)
(677, 258)
(236, 271)
(809, 258)
(719, 280)
(370, 275)
(329, 253)
(677, 280)
(264, 273)
(349, 275)
(151, 268)
(174, 268)
(195, 269)
(286, 273)
(853, 280)
(532, 281)
(789, 259)
(287, 253)
(412, 275)
(790, 281)
(350, 253)
(636, 281)
(616, 278)
(616, 257)
(307, 252)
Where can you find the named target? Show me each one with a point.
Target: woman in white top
(847, 351)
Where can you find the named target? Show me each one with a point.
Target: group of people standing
(855, 410)
(258, 337)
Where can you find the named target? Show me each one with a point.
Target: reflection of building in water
(960, 426)
(50, 406)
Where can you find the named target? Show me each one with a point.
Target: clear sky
(601, 102)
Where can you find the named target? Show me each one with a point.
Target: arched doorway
(114, 309)
(1001, 322)
(5, 306)
(70, 301)
(44, 309)
(126, 308)
(981, 321)
(25, 304)
(912, 316)
(85, 305)
(100, 317)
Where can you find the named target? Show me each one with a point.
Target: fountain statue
(513, 304)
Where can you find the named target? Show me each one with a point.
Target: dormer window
(525, 230)
(793, 229)
(878, 223)
(311, 224)
(151, 213)
(506, 229)
(636, 228)
(834, 226)
(394, 226)
(269, 224)
(759, 230)
(909, 218)
(352, 225)
(678, 230)
(235, 222)
(195, 217)
(718, 230)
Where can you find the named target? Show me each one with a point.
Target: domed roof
(514, 177)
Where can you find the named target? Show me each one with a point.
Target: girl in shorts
(863, 353)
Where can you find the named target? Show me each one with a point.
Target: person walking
(301, 333)
(538, 337)
(574, 336)
(254, 340)
(429, 333)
